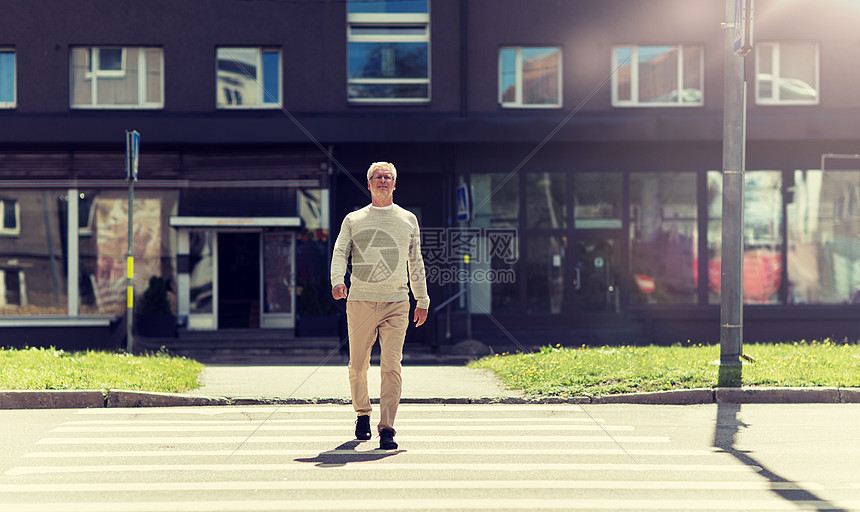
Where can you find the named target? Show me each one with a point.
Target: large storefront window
(103, 246)
(823, 218)
(33, 254)
(496, 213)
(663, 238)
(762, 236)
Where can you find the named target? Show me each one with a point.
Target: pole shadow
(348, 453)
(725, 433)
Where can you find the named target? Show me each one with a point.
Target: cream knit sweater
(385, 245)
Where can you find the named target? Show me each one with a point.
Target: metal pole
(130, 270)
(132, 141)
(731, 284)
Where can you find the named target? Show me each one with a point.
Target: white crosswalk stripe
(451, 457)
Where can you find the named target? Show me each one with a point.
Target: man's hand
(339, 291)
(420, 316)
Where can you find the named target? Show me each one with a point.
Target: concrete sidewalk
(332, 383)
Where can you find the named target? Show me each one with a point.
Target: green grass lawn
(49, 368)
(596, 371)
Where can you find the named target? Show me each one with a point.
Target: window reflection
(823, 233)
(658, 75)
(663, 238)
(202, 261)
(597, 200)
(32, 259)
(103, 247)
(658, 67)
(545, 276)
(530, 76)
(278, 272)
(787, 72)
(762, 236)
(496, 205)
(545, 201)
(248, 77)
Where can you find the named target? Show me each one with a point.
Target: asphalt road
(451, 457)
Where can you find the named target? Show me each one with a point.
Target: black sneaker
(386, 439)
(362, 428)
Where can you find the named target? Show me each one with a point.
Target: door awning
(177, 221)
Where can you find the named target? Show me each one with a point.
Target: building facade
(587, 137)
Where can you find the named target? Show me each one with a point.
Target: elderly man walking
(383, 240)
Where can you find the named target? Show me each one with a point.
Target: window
(663, 235)
(388, 47)
(530, 77)
(496, 209)
(762, 236)
(102, 267)
(248, 78)
(546, 207)
(658, 76)
(32, 261)
(7, 78)
(117, 77)
(13, 289)
(10, 217)
(597, 202)
(823, 217)
(786, 73)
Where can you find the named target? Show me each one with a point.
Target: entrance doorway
(237, 277)
(238, 280)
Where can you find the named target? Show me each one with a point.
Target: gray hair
(382, 166)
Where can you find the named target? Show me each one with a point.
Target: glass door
(597, 248)
(595, 276)
(202, 287)
(277, 290)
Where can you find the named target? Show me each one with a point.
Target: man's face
(381, 184)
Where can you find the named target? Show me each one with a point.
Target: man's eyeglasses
(380, 177)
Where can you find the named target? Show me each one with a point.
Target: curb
(86, 399)
(59, 399)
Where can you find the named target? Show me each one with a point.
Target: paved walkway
(332, 382)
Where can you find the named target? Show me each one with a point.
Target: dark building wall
(312, 37)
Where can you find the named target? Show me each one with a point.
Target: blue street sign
(132, 150)
(464, 206)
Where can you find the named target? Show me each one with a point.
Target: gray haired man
(383, 240)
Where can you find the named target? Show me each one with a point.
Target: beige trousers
(366, 320)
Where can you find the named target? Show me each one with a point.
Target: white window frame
(365, 19)
(4, 231)
(634, 76)
(94, 69)
(258, 79)
(22, 288)
(518, 72)
(776, 77)
(14, 102)
(93, 74)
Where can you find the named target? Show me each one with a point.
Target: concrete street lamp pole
(734, 135)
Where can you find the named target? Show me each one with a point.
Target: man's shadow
(347, 453)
